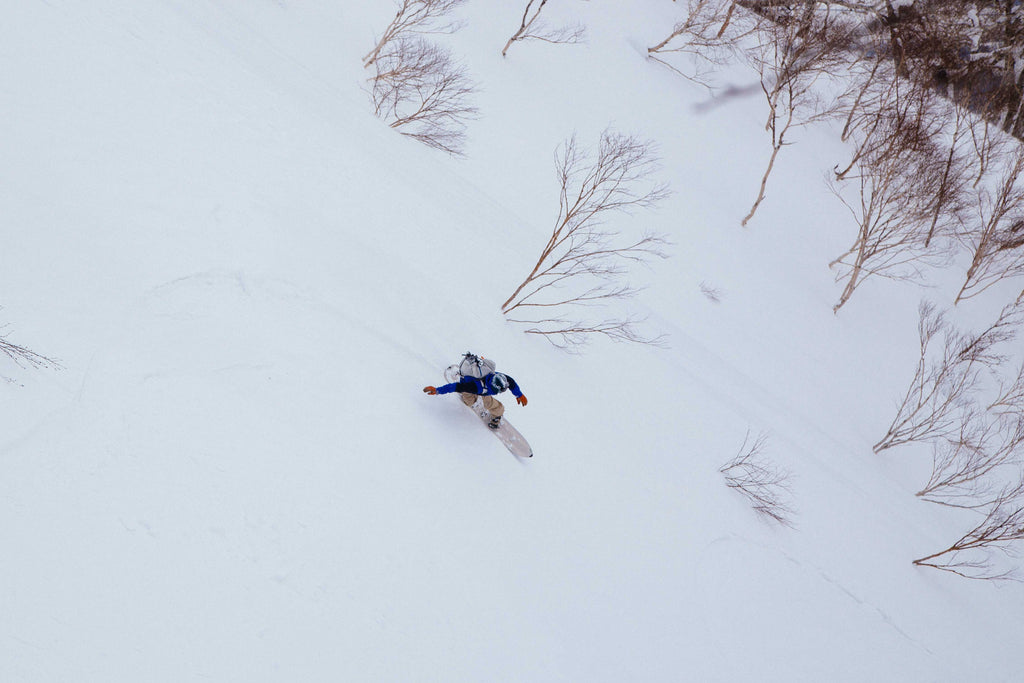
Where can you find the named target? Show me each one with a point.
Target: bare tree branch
(710, 35)
(995, 237)
(962, 471)
(973, 555)
(1010, 399)
(24, 357)
(423, 93)
(902, 190)
(794, 53)
(415, 16)
(766, 486)
(572, 335)
(530, 28)
(584, 260)
(937, 402)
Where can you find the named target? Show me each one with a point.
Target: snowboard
(506, 433)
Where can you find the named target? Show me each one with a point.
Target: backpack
(475, 366)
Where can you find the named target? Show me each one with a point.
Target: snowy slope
(248, 278)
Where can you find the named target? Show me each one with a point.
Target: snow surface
(248, 278)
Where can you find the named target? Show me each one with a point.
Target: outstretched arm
(463, 386)
(513, 386)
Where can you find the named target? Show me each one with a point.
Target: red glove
(430, 390)
(521, 400)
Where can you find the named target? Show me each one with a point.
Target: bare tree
(530, 28)
(797, 48)
(881, 111)
(988, 148)
(938, 401)
(415, 16)
(969, 50)
(936, 397)
(872, 90)
(973, 555)
(900, 186)
(705, 24)
(584, 260)
(423, 93)
(962, 471)
(572, 334)
(766, 486)
(996, 235)
(710, 35)
(950, 199)
(24, 357)
(1010, 398)
(711, 292)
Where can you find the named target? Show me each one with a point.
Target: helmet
(499, 382)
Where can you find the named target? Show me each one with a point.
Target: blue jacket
(480, 387)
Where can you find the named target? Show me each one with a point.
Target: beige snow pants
(493, 405)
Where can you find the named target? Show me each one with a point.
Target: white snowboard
(505, 432)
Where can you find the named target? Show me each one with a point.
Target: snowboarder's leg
(494, 406)
(468, 399)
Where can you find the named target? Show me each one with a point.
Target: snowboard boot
(495, 422)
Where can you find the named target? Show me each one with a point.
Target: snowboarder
(477, 377)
